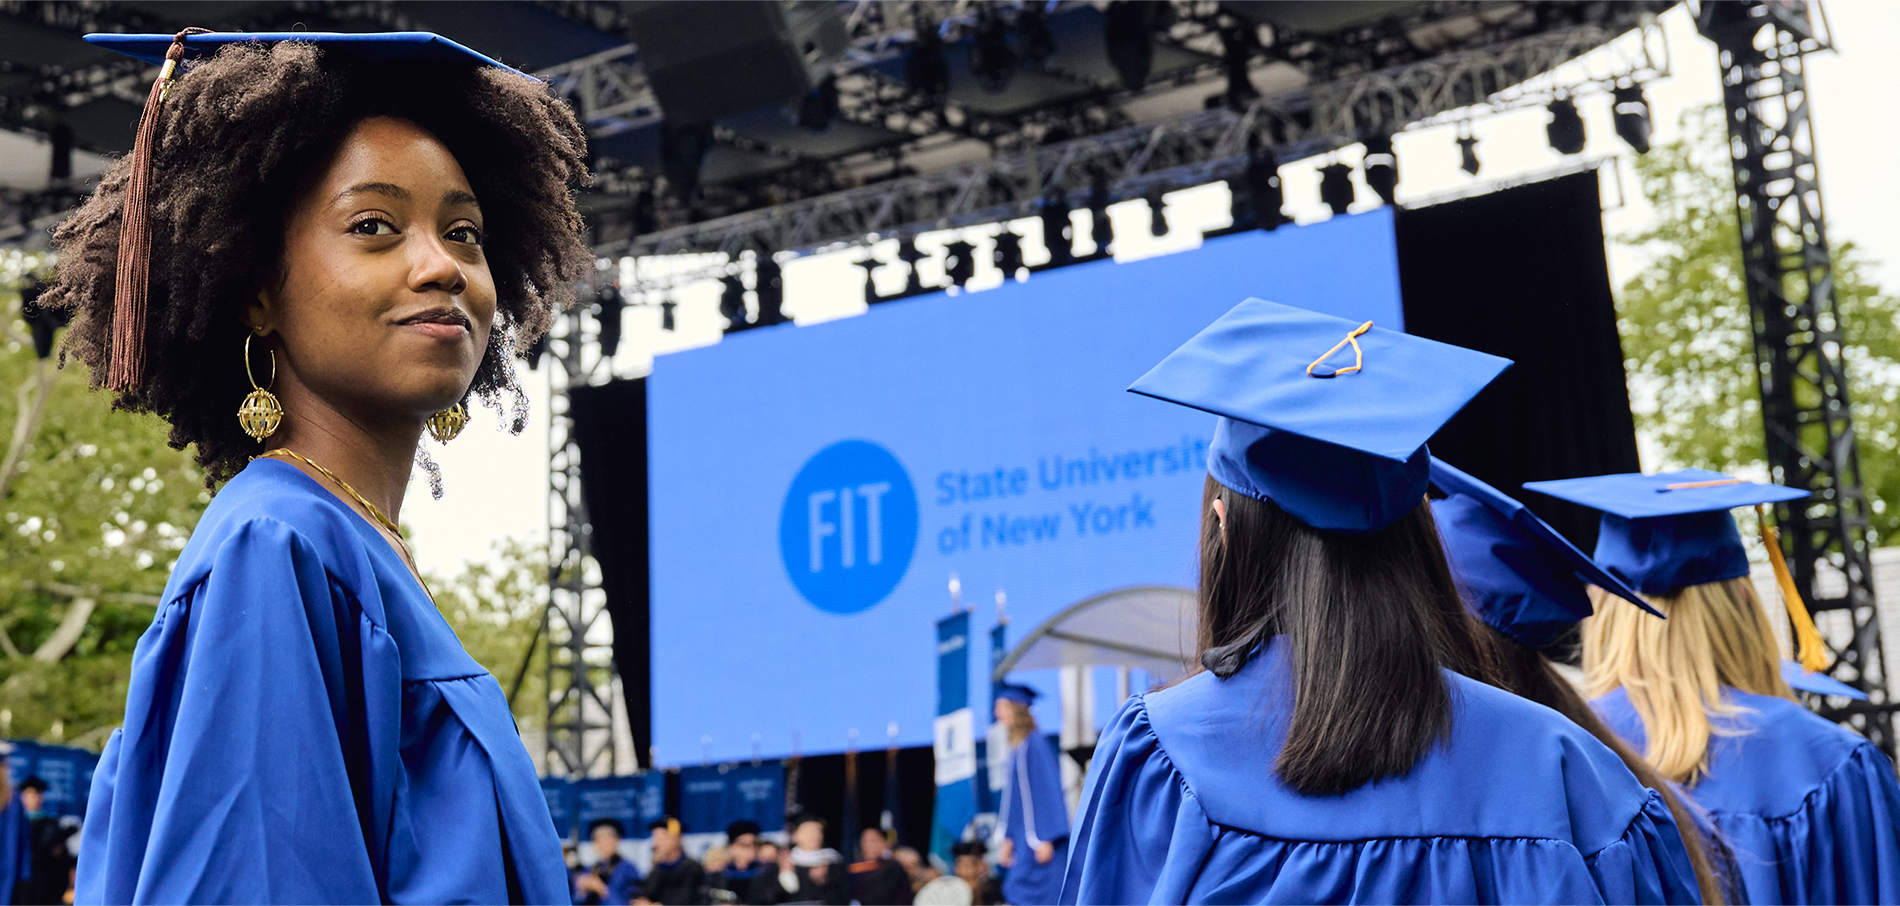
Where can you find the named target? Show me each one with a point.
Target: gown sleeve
(229, 780)
(1037, 775)
(1841, 846)
(1141, 835)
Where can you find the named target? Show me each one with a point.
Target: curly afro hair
(239, 134)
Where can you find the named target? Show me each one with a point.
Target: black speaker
(708, 60)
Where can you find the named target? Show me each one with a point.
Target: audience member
(675, 880)
(973, 867)
(920, 870)
(876, 879)
(732, 882)
(809, 873)
(51, 860)
(612, 881)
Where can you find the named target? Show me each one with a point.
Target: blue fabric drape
(302, 726)
(1518, 806)
(1810, 811)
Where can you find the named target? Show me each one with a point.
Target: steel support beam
(1788, 273)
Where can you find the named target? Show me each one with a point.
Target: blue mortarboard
(392, 46)
(1022, 695)
(1516, 572)
(1819, 683)
(1665, 532)
(1339, 447)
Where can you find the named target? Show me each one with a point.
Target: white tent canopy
(1151, 627)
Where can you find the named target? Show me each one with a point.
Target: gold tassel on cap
(1810, 649)
(129, 290)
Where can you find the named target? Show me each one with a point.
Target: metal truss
(608, 89)
(1141, 161)
(580, 663)
(1798, 343)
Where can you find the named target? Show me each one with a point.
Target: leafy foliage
(1687, 339)
(495, 607)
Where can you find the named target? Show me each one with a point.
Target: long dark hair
(1529, 674)
(1370, 620)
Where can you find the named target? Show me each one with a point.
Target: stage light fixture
(870, 265)
(1238, 44)
(1382, 168)
(1631, 111)
(907, 252)
(1265, 196)
(1128, 28)
(959, 263)
(1566, 127)
(1335, 187)
(666, 313)
(608, 304)
(1101, 226)
(927, 69)
(768, 284)
(1009, 253)
(1058, 233)
(992, 60)
(61, 135)
(1157, 214)
(683, 148)
(1467, 150)
(1038, 43)
(819, 106)
(645, 212)
(732, 303)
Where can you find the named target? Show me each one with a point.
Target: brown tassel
(129, 290)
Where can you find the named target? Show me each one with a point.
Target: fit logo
(848, 526)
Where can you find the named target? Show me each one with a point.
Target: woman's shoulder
(1223, 737)
(267, 510)
(1771, 755)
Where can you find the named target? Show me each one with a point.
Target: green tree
(495, 608)
(1687, 339)
(94, 508)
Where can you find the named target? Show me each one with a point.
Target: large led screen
(813, 489)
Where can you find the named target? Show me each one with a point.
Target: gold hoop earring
(446, 424)
(261, 413)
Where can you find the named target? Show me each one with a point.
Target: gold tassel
(1810, 649)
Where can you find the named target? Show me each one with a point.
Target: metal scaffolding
(1788, 272)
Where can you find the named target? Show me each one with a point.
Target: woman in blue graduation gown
(1811, 810)
(1034, 849)
(349, 229)
(1339, 744)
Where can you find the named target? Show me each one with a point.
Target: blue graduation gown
(1518, 806)
(623, 885)
(16, 844)
(1810, 810)
(1034, 811)
(303, 727)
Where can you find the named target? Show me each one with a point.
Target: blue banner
(560, 795)
(633, 801)
(67, 772)
(955, 746)
(712, 797)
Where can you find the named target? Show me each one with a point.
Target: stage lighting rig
(1058, 233)
(732, 303)
(1632, 116)
(1265, 195)
(1382, 168)
(1335, 187)
(608, 303)
(1467, 150)
(1238, 43)
(1157, 214)
(682, 149)
(928, 69)
(992, 60)
(907, 252)
(666, 313)
(768, 283)
(959, 263)
(870, 265)
(1566, 127)
(1128, 28)
(1038, 43)
(1101, 226)
(1009, 253)
(819, 106)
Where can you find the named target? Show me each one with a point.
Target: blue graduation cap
(1515, 572)
(1022, 695)
(1818, 683)
(1668, 531)
(390, 46)
(1340, 447)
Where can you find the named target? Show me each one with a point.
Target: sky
(496, 484)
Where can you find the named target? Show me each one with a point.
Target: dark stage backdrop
(1521, 273)
(610, 425)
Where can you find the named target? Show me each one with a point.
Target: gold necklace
(381, 519)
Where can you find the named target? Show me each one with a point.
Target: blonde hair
(1020, 724)
(1717, 635)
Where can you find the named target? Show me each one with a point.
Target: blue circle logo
(849, 526)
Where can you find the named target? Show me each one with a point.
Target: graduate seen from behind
(1810, 809)
(321, 245)
(1530, 587)
(1032, 829)
(1339, 742)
